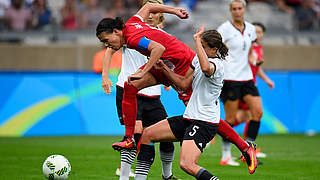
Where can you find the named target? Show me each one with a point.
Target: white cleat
(131, 174)
(261, 155)
(229, 162)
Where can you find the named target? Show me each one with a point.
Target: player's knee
(186, 165)
(148, 134)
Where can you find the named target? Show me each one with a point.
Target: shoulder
(250, 26)
(224, 25)
(134, 19)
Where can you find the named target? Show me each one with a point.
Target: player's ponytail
(214, 40)
(108, 25)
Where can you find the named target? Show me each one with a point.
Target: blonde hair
(242, 1)
(158, 2)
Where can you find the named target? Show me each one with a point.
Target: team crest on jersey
(137, 25)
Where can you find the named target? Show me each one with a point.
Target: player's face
(237, 11)
(112, 40)
(154, 19)
(259, 32)
(211, 52)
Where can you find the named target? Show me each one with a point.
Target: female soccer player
(200, 122)
(256, 60)
(137, 34)
(238, 81)
(150, 108)
(151, 42)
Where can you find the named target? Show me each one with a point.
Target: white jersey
(132, 60)
(204, 102)
(237, 64)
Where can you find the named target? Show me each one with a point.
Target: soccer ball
(56, 167)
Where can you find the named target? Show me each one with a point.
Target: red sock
(227, 132)
(246, 130)
(129, 108)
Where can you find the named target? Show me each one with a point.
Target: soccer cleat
(250, 157)
(229, 161)
(127, 143)
(131, 174)
(172, 177)
(260, 154)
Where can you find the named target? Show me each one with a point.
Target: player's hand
(270, 84)
(182, 13)
(199, 32)
(159, 64)
(106, 85)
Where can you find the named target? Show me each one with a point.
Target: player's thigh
(231, 108)
(146, 81)
(160, 131)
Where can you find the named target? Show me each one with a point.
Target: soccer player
(149, 41)
(137, 34)
(256, 60)
(200, 122)
(150, 108)
(238, 81)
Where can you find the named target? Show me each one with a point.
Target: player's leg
(197, 135)
(255, 107)
(129, 109)
(153, 112)
(231, 107)
(160, 131)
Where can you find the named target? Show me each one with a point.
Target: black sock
(145, 159)
(136, 138)
(253, 129)
(203, 174)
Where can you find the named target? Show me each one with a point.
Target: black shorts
(149, 109)
(200, 131)
(233, 90)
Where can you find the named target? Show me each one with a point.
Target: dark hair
(260, 25)
(109, 24)
(214, 40)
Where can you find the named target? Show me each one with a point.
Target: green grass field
(91, 157)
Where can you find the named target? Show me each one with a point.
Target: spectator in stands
(305, 16)
(69, 15)
(17, 17)
(119, 10)
(288, 6)
(4, 5)
(91, 15)
(42, 16)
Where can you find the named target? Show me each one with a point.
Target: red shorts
(243, 105)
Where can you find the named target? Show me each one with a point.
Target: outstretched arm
(106, 82)
(265, 78)
(159, 8)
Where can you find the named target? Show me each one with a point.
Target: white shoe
(229, 161)
(261, 155)
(131, 174)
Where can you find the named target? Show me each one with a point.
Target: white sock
(166, 160)
(226, 150)
(125, 171)
(127, 159)
(140, 177)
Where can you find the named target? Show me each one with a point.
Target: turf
(294, 156)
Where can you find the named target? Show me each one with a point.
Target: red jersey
(179, 54)
(258, 53)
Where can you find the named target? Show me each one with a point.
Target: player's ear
(117, 31)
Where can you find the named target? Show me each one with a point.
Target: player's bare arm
(156, 51)
(106, 82)
(183, 82)
(265, 78)
(206, 67)
(159, 8)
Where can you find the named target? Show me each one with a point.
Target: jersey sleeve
(134, 19)
(254, 35)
